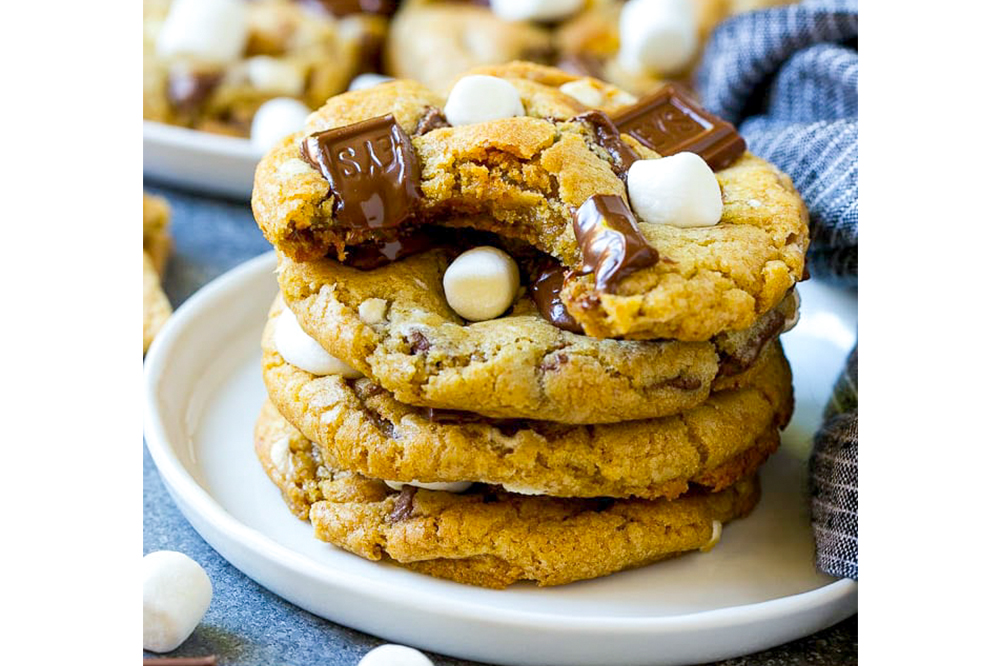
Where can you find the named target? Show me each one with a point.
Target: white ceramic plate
(198, 160)
(756, 589)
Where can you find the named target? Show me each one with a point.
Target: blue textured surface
(246, 624)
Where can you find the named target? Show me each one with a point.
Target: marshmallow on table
(481, 283)
(176, 593)
(446, 486)
(297, 348)
(680, 190)
(395, 655)
(535, 10)
(275, 119)
(659, 36)
(368, 80)
(274, 75)
(479, 98)
(210, 30)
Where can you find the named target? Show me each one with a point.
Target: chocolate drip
(669, 121)
(545, 293)
(374, 254)
(610, 138)
(371, 169)
(610, 241)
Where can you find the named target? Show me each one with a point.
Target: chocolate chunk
(432, 119)
(610, 139)
(682, 383)
(734, 363)
(669, 121)
(404, 504)
(371, 169)
(348, 7)
(187, 89)
(610, 241)
(418, 343)
(373, 254)
(545, 292)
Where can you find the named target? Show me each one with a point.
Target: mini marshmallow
(481, 283)
(210, 30)
(297, 348)
(679, 190)
(275, 119)
(275, 76)
(535, 10)
(479, 98)
(368, 80)
(395, 655)
(176, 593)
(446, 486)
(583, 91)
(716, 535)
(659, 36)
(372, 310)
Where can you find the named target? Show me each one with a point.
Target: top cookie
(527, 177)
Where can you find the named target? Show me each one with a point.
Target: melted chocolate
(507, 427)
(188, 89)
(669, 121)
(374, 254)
(610, 241)
(404, 504)
(371, 169)
(545, 293)
(610, 138)
(432, 119)
(734, 364)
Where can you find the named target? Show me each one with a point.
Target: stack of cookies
(520, 336)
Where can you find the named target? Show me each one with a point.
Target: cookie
(155, 250)
(485, 536)
(368, 431)
(212, 67)
(526, 178)
(393, 324)
(435, 42)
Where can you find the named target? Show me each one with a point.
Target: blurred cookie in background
(211, 64)
(156, 246)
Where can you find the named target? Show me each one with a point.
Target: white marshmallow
(368, 80)
(210, 30)
(660, 36)
(446, 486)
(372, 310)
(297, 348)
(176, 593)
(522, 490)
(679, 190)
(481, 283)
(395, 655)
(479, 98)
(716, 535)
(790, 323)
(583, 91)
(276, 76)
(275, 119)
(535, 10)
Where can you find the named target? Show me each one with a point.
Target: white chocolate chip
(298, 349)
(280, 454)
(395, 655)
(445, 486)
(372, 310)
(275, 76)
(176, 593)
(275, 119)
(368, 80)
(481, 283)
(679, 190)
(658, 36)
(584, 91)
(535, 10)
(716, 535)
(210, 30)
(479, 98)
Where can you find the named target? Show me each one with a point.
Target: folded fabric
(788, 78)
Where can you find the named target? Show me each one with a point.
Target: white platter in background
(201, 161)
(756, 589)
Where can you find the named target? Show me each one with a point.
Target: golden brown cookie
(155, 250)
(367, 431)
(523, 178)
(394, 325)
(486, 536)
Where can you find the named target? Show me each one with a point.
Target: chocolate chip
(432, 119)
(554, 362)
(610, 241)
(404, 505)
(769, 328)
(418, 343)
(610, 139)
(682, 382)
(545, 293)
(187, 89)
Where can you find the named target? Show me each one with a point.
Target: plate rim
(197, 140)
(187, 492)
